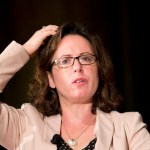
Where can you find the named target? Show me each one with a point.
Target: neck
(77, 113)
(77, 125)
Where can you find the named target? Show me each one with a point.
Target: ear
(50, 80)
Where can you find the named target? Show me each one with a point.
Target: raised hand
(33, 44)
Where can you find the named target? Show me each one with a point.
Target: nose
(77, 66)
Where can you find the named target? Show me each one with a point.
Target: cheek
(94, 77)
(61, 78)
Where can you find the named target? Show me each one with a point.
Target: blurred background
(122, 25)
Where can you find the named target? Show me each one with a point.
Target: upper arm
(12, 126)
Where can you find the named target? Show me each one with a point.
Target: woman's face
(77, 83)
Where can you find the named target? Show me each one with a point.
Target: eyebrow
(69, 55)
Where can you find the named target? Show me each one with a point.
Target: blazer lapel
(52, 127)
(103, 130)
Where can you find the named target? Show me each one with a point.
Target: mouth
(79, 81)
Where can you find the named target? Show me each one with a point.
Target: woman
(73, 96)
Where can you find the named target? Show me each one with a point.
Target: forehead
(73, 45)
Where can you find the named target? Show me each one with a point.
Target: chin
(82, 96)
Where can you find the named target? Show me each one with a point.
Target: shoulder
(31, 112)
(128, 121)
(131, 122)
(127, 127)
(126, 117)
(29, 108)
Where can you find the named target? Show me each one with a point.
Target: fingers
(38, 38)
(50, 29)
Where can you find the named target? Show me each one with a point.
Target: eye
(65, 60)
(85, 58)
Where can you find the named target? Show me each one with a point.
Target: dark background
(122, 24)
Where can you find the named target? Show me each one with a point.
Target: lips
(79, 80)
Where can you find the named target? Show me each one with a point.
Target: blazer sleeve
(13, 124)
(12, 59)
(137, 135)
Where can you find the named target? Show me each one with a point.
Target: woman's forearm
(12, 59)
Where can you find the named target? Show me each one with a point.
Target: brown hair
(46, 100)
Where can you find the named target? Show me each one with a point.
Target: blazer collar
(103, 130)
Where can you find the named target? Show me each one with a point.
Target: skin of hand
(36, 40)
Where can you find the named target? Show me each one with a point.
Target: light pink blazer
(27, 129)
